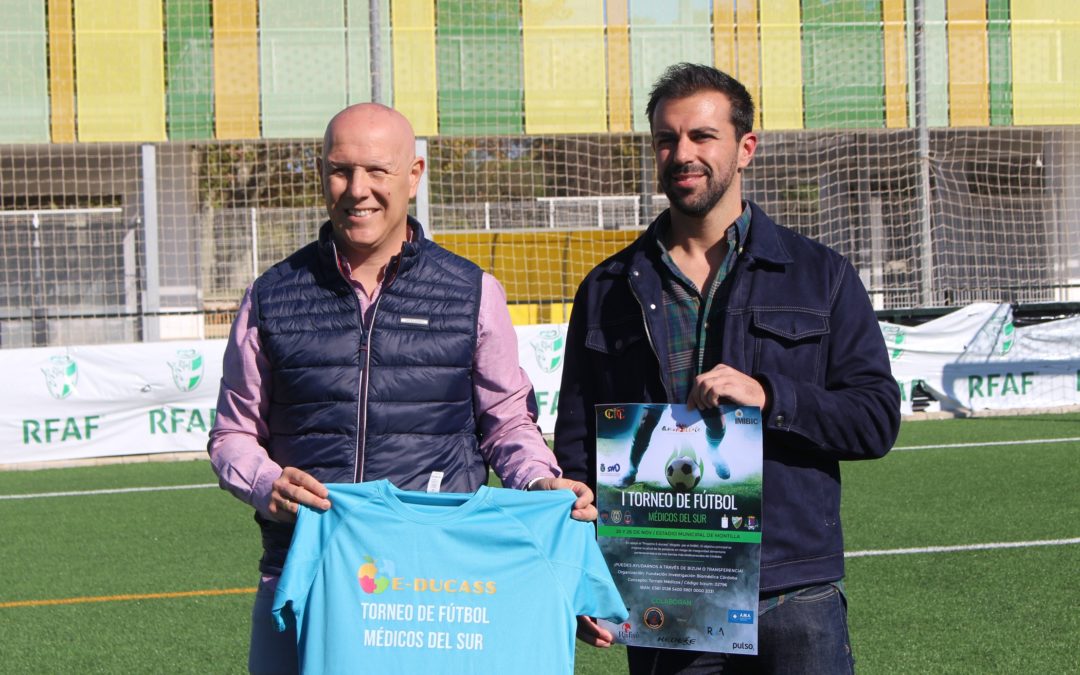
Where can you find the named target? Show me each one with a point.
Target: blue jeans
(806, 633)
(271, 652)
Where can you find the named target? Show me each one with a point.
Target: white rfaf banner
(69, 403)
(974, 359)
(132, 399)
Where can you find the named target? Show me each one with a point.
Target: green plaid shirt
(692, 347)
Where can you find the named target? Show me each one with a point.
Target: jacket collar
(416, 241)
(763, 243)
(642, 251)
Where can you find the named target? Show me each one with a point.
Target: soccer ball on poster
(684, 470)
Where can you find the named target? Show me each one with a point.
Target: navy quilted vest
(415, 405)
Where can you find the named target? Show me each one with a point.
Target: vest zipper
(361, 413)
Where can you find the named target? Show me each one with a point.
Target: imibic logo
(61, 375)
(894, 337)
(548, 349)
(187, 370)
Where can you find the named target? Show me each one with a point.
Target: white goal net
(156, 156)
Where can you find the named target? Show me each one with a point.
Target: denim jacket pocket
(615, 339)
(619, 354)
(791, 324)
(789, 341)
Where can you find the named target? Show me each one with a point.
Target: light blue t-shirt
(388, 581)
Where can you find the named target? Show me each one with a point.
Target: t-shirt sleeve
(571, 549)
(300, 569)
(585, 576)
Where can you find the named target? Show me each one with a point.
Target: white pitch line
(849, 554)
(965, 547)
(984, 443)
(116, 491)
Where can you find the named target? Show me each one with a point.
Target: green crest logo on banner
(548, 349)
(1007, 335)
(61, 376)
(187, 370)
(894, 337)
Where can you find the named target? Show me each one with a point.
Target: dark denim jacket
(799, 321)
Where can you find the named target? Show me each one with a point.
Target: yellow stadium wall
(532, 265)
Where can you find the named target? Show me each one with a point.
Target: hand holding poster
(679, 494)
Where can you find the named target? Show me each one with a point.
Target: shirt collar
(346, 268)
(738, 229)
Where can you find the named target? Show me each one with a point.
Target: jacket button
(652, 306)
(635, 273)
(780, 420)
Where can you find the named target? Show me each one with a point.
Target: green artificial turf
(973, 611)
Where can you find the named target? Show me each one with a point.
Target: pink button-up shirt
(510, 440)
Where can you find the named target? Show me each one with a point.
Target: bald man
(329, 372)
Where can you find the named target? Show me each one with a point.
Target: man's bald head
(369, 118)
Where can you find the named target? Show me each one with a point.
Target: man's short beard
(698, 205)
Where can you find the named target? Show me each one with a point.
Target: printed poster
(679, 494)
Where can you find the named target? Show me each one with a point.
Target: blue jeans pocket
(816, 593)
(808, 633)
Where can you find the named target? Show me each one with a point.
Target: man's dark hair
(686, 79)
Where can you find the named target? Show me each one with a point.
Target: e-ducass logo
(370, 579)
(61, 376)
(548, 349)
(187, 370)
(377, 576)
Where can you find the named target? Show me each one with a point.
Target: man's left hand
(724, 384)
(583, 507)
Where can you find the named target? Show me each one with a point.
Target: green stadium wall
(237, 69)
